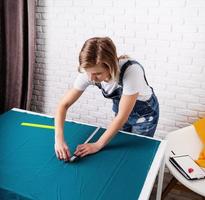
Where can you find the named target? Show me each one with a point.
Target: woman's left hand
(85, 149)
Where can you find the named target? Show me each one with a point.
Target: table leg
(160, 179)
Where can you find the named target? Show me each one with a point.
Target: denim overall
(144, 117)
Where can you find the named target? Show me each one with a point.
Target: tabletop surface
(29, 168)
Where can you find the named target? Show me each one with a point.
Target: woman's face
(98, 73)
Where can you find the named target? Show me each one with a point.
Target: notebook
(187, 167)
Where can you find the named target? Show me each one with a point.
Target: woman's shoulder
(134, 65)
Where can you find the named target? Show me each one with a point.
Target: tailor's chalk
(74, 157)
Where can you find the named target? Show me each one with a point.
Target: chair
(184, 141)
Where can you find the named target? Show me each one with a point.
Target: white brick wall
(166, 36)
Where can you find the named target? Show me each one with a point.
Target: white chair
(184, 141)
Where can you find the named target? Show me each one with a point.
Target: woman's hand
(85, 149)
(61, 149)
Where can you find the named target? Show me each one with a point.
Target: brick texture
(166, 36)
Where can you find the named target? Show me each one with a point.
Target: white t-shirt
(133, 82)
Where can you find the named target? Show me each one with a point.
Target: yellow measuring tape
(37, 125)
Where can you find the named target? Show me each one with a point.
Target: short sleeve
(81, 82)
(134, 82)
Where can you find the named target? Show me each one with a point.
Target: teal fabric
(30, 170)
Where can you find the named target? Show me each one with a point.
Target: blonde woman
(120, 79)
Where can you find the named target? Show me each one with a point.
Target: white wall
(166, 36)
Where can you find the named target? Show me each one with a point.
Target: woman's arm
(61, 148)
(126, 105)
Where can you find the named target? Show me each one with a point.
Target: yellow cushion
(200, 129)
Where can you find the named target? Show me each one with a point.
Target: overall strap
(125, 66)
(99, 85)
(122, 71)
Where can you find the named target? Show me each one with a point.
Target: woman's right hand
(61, 149)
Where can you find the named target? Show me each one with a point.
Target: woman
(120, 79)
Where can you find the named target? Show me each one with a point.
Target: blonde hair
(99, 50)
